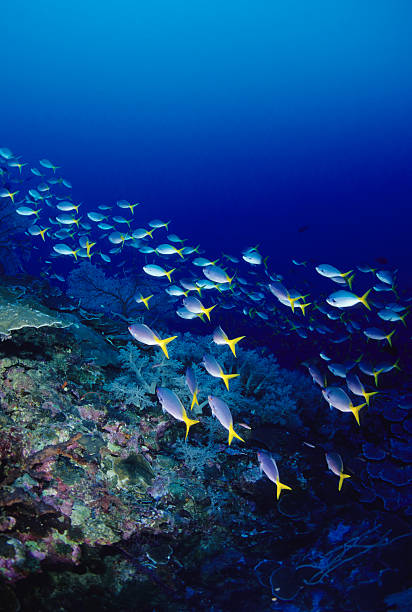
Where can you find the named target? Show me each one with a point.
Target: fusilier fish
(268, 465)
(214, 369)
(346, 299)
(222, 412)
(335, 464)
(339, 399)
(144, 334)
(172, 404)
(220, 337)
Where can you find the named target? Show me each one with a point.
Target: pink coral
(89, 413)
(7, 523)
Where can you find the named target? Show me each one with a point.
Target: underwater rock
(400, 602)
(159, 487)
(16, 314)
(12, 557)
(92, 344)
(67, 471)
(159, 554)
(295, 506)
(91, 444)
(133, 470)
(90, 413)
(8, 599)
(80, 514)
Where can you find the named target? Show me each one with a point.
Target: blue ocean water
(277, 131)
(240, 123)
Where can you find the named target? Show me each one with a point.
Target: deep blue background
(241, 121)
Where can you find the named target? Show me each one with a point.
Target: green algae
(67, 471)
(133, 470)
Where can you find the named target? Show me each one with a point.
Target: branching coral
(136, 385)
(197, 458)
(263, 389)
(96, 291)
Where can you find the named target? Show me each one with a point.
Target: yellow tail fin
(89, 246)
(188, 422)
(145, 300)
(375, 376)
(227, 377)
(233, 434)
(363, 299)
(232, 343)
(349, 280)
(293, 300)
(194, 400)
(279, 487)
(179, 252)
(368, 395)
(341, 479)
(168, 274)
(355, 411)
(303, 306)
(389, 337)
(207, 311)
(162, 344)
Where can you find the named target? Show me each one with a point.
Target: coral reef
(102, 501)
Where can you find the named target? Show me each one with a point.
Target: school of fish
(197, 287)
